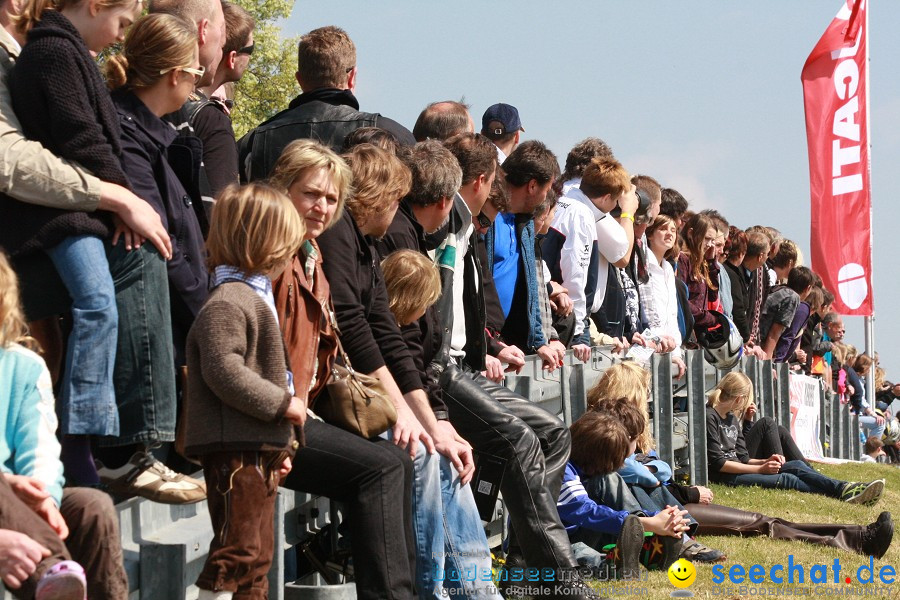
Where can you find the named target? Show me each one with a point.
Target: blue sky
(703, 95)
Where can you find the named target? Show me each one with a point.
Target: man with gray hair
(450, 522)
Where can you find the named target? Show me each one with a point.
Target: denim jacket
(526, 239)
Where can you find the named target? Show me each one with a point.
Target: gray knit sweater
(236, 394)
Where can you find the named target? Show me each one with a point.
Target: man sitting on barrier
(436, 177)
(499, 422)
(730, 463)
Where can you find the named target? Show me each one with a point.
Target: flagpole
(869, 325)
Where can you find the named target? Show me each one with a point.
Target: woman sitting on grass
(730, 463)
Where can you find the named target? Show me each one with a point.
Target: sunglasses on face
(483, 221)
(248, 50)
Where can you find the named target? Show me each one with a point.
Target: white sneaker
(145, 476)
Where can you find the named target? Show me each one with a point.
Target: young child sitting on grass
(243, 420)
(597, 508)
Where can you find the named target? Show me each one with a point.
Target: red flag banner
(835, 96)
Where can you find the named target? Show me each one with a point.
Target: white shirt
(458, 335)
(612, 243)
(659, 299)
(575, 223)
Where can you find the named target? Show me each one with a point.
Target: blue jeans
(794, 475)
(466, 547)
(451, 547)
(144, 375)
(88, 402)
(867, 424)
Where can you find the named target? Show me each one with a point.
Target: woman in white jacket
(658, 295)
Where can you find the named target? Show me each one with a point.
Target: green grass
(797, 507)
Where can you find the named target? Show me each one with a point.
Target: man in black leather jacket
(326, 111)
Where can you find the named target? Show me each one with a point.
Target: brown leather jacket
(305, 325)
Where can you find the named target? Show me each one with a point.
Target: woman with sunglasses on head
(153, 75)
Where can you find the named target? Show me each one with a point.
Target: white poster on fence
(805, 415)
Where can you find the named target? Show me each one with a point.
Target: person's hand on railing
(582, 352)
(680, 367)
(666, 344)
(552, 355)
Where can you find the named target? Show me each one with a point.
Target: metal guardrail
(165, 546)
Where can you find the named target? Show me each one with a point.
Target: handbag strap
(337, 335)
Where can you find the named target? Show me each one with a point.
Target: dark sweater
(724, 442)
(423, 337)
(62, 101)
(220, 154)
(740, 296)
(369, 332)
(146, 139)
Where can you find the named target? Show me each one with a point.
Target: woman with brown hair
(697, 267)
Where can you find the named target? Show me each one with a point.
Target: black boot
(878, 535)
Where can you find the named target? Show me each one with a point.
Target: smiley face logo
(682, 573)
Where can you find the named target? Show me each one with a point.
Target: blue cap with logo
(500, 119)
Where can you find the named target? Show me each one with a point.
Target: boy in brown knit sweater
(243, 421)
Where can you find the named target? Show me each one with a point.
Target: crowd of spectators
(211, 289)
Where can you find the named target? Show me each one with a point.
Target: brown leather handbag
(354, 401)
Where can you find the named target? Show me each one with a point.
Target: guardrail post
(276, 571)
(663, 420)
(855, 449)
(163, 571)
(750, 368)
(696, 409)
(783, 394)
(838, 437)
(825, 430)
(767, 389)
(576, 390)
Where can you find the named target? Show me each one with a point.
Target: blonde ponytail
(116, 71)
(32, 10)
(155, 45)
(733, 385)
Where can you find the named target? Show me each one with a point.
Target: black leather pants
(535, 444)
(715, 519)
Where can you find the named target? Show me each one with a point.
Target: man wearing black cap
(501, 124)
